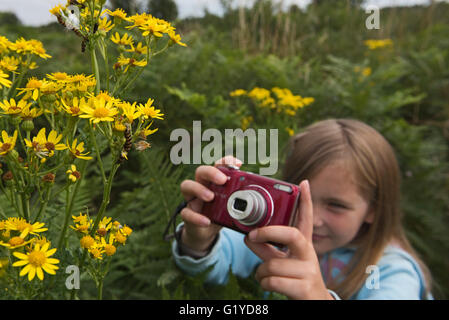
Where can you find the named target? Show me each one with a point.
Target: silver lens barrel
(248, 207)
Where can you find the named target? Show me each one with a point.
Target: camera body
(248, 201)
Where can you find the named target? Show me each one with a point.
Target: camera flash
(283, 187)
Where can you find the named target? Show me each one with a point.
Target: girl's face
(338, 208)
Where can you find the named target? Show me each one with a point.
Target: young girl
(349, 242)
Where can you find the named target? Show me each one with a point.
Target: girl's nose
(317, 217)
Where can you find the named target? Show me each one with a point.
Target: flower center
(87, 242)
(22, 225)
(101, 112)
(37, 258)
(16, 241)
(5, 147)
(50, 146)
(109, 249)
(75, 110)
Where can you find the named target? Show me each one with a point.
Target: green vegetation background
(314, 53)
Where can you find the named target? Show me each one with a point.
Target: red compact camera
(248, 201)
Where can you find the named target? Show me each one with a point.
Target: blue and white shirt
(396, 276)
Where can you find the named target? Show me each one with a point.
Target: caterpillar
(128, 144)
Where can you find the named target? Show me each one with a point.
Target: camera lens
(240, 204)
(248, 207)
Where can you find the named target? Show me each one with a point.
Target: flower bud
(8, 176)
(14, 154)
(28, 125)
(49, 178)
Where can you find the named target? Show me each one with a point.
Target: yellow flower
(4, 82)
(109, 247)
(101, 111)
(147, 131)
(126, 230)
(118, 13)
(126, 40)
(96, 250)
(33, 46)
(104, 226)
(246, 121)
(82, 223)
(8, 143)
(50, 144)
(156, 27)
(9, 64)
(119, 126)
(176, 38)
(259, 94)
(87, 241)
(17, 242)
(376, 44)
(29, 114)
(38, 144)
(74, 108)
(138, 20)
(238, 93)
(5, 45)
(57, 10)
(140, 49)
(73, 174)
(12, 107)
(290, 131)
(129, 111)
(37, 261)
(32, 89)
(20, 224)
(148, 111)
(83, 219)
(77, 150)
(105, 25)
(59, 76)
(130, 62)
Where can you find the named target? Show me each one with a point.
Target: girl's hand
(295, 273)
(198, 232)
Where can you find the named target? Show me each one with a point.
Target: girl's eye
(337, 205)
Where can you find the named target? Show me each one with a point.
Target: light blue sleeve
(399, 278)
(229, 252)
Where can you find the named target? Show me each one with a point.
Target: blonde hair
(372, 160)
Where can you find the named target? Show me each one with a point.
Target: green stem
(97, 151)
(95, 69)
(100, 289)
(44, 203)
(106, 198)
(69, 206)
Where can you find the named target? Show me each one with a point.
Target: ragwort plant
(60, 126)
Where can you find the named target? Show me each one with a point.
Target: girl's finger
(190, 189)
(264, 251)
(305, 219)
(192, 217)
(209, 174)
(229, 160)
(292, 288)
(291, 237)
(290, 268)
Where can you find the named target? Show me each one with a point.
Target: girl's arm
(229, 253)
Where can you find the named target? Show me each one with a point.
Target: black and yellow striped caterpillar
(127, 145)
